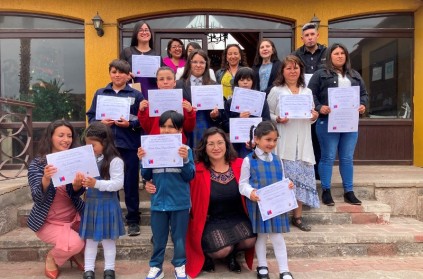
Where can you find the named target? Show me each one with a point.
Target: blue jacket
(43, 200)
(323, 79)
(172, 186)
(127, 138)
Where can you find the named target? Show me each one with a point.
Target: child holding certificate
(102, 219)
(170, 202)
(244, 78)
(260, 169)
(166, 80)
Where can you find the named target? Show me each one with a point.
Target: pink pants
(65, 239)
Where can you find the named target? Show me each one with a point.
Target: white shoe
(155, 273)
(180, 272)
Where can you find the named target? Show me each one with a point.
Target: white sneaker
(180, 272)
(155, 273)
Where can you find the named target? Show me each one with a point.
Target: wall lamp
(315, 20)
(98, 25)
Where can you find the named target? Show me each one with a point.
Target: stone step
(401, 237)
(341, 213)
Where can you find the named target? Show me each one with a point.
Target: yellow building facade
(99, 51)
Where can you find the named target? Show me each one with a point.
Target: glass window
(177, 22)
(385, 61)
(237, 22)
(29, 22)
(49, 72)
(383, 21)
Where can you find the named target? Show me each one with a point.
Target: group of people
(209, 205)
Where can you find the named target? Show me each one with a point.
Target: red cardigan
(200, 196)
(151, 124)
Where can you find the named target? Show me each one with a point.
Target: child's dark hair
(165, 68)
(175, 117)
(102, 133)
(243, 73)
(263, 128)
(120, 65)
(46, 144)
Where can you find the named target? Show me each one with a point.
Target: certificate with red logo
(276, 199)
(161, 151)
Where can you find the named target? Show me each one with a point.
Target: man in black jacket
(313, 55)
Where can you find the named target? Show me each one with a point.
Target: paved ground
(327, 268)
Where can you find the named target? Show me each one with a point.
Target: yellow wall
(100, 51)
(418, 89)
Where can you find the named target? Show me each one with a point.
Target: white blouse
(294, 141)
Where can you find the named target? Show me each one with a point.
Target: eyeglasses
(201, 63)
(214, 144)
(176, 47)
(144, 31)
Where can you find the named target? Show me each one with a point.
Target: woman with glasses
(141, 44)
(175, 54)
(197, 73)
(219, 226)
(233, 58)
(191, 46)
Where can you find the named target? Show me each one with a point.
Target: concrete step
(401, 237)
(341, 213)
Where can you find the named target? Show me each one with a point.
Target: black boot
(109, 274)
(233, 265)
(327, 198)
(349, 197)
(89, 275)
(208, 265)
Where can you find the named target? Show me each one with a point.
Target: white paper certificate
(295, 106)
(344, 97)
(248, 100)
(344, 103)
(145, 65)
(161, 100)
(69, 162)
(161, 151)
(207, 97)
(276, 199)
(239, 128)
(112, 107)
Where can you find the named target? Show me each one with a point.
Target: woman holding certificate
(55, 216)
(336, 73)
(141, 44)
(219, 226)
(294, 146)
(196, 73)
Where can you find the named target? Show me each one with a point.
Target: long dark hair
(242, 62)
(187, 70)
(262, 129)
(346, 68)
(102, 133)
(280, 79)
(46, 144)
(243, 73)
(258, 60)
(201, 152)
(134, 38)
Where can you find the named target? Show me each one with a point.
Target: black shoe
(109, 274)
(299, 223)
(208, 265)
(349, 197)
(89, 275)
(233, 265)
(262, 276)
(133, 229)
(281, 276)
(327, 198)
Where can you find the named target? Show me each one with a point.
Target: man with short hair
(313, 55)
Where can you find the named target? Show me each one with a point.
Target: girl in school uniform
(260, 169)
(102, 220)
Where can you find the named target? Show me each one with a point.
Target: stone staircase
(372, 229)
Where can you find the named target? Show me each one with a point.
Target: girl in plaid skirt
(259, 169)
(102, 219)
